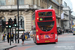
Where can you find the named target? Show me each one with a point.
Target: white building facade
(65, 21)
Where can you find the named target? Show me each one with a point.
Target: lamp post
(10, 26)
(18, 18)
(15, 24)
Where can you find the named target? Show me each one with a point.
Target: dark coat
(8, 36)
(22, 36)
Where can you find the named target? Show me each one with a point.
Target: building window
(21, 2)
(21, 27)
(2, 2)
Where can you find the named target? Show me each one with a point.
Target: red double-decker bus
(44, 26)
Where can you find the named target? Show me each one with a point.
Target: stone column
(35, 2)
(38, 2)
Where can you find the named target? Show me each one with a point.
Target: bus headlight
(37, 18)
(38, 37)
(53, 17)
(56, 36)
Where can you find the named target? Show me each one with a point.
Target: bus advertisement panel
(44, 26)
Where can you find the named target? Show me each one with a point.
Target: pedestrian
(8, 37)
(23, 38)
(30, 33)
(12, 37)
(4, 36)
(16, 36)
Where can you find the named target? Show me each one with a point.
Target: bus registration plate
(47, 41)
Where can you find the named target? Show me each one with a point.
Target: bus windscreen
(46, 26)
(42, 14)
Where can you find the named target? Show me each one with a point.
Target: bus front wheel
(54, 42)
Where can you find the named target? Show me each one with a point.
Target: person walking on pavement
(23, 38)
(28, 34)
(4, 36)
(12, 37)
(16, 37)
(8, 37)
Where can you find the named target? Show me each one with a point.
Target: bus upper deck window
(42, 14)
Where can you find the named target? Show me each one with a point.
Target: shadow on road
(46, 43)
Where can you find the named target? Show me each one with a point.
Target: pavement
(7, 46)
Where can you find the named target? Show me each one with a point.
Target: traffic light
(3, 25)
(15, 21)
(15, 24)
(6, 24)
(10, 23)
